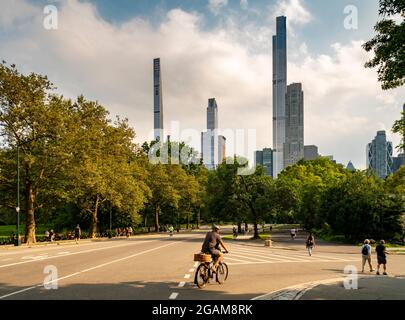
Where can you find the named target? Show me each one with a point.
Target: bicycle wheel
(222, 272)
(201, 276)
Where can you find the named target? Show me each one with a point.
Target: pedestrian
(47, 235)
(310, 243)
(366, 255)
(51, 235)
(271, 228)
(78, 233)
(381, 257)
(293, 233)
(235, 233)
(130, 231)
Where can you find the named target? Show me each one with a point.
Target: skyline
(345, 106)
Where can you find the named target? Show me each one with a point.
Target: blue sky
(210, 48)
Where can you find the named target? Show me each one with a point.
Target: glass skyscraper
(279, 93)
(379, 155)
(157, 100)
(294, 125)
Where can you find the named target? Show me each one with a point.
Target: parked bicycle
(205, 270)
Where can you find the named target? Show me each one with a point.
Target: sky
(210, 48)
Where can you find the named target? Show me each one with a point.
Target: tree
(388, 45)
(399, 127)
(39, 123)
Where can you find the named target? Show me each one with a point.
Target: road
(160, 267)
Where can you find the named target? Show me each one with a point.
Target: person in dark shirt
(212, 245)
(381, 257)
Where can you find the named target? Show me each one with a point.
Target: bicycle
(204, 271)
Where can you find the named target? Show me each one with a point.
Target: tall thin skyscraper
(279, 93)
(294, 125)
(157, 100)
(212, 145)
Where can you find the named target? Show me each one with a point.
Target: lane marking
(262, 255)
(8, 259)
(173, 296)
(238, 255)
(187, 276)
(89, 269)
(182, 284)
(67, 252)
(277, 255)
(229, 258)
(74, 253)
(274, 262)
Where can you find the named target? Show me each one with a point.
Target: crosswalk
(240, 255)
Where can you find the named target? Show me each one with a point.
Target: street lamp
(17, 209)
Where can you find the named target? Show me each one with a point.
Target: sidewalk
(370, 288)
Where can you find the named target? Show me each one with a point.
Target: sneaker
(378, 273)
(385, 274)
(372, 270)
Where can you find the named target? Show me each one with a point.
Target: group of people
(381, 251)
(121, 232)
(51, 236)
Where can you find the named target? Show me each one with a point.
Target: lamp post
(17, 209)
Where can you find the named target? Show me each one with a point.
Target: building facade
(398, 162)
(279, 92)
(264, 158)
(157, 100)
(311, 152)
(379, 155)
(213, 146)
(294, 125)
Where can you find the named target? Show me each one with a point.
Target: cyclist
(212, 245)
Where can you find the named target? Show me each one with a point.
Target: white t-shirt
(292, 231)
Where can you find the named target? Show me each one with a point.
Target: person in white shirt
(366, 255)
(293, 233)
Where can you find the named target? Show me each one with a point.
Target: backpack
(364, 251)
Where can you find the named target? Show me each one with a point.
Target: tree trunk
(239, 227)
(93, 224)
(157, 218)
(145, 218)
(246, 226)
(256, 229)
(198, 218)
(30, 212)
(188, 220)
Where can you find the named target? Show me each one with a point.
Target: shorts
(215, 252)
(381, 260)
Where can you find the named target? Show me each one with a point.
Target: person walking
(171, 230)
(310, 243)
(130, 230)
(78, 233)
(381, 257)
(293, 233)
(366, 255)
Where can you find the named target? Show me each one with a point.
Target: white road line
(229, 258)
(89, 269)
(8, 259)
(249, 258)
(182, 284)
(187, 276)
(64, 252)
(275, 255)
(73, 253)
(274, 262)
(267, 256)
(173, 296)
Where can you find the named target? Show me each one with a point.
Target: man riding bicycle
(212, 245)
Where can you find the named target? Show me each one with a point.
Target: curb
(296, 292)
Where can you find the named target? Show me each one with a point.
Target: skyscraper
(294, 125)
(379, 155)
(279, 92)
(157, 100)
(264, 158)
(311, 152)
(212, 145)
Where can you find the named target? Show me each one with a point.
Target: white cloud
(216, 5)
(344, 105)
(244, 4)
(295, 11)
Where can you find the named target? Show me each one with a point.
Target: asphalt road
(160, 267)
